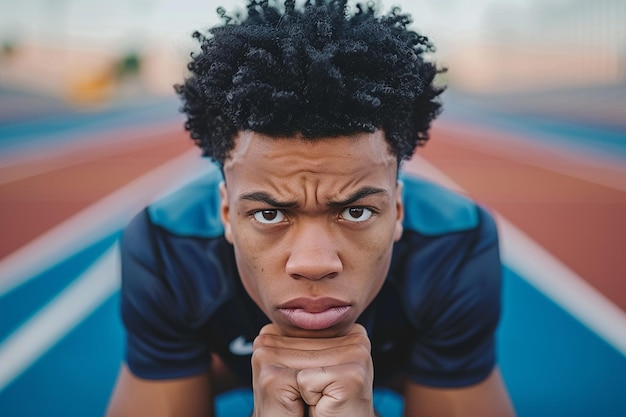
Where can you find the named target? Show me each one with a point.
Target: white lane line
(547, 273)
(35, 337)
(106, 216)
(562, 285)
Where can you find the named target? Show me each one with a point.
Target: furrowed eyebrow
(359, 194)
(262, 197)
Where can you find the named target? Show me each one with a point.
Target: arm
(167, 363)
(453, 362)
(487, 398)
(183, 397)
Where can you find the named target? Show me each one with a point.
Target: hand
(331, 377)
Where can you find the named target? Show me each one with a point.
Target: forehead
(340, 156)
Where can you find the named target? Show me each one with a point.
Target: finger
(267, 405)
(268, 337)
(271, 328)
(275, 388)
(336, 386)
(300, 359)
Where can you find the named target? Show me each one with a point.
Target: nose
(314, 254)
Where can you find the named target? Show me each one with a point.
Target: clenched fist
(329, 377)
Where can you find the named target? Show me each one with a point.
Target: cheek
(379, 256)
(246, 256)
(373, 254)
(379, 272)
(381, 240)
(380, 260)
(256, 267)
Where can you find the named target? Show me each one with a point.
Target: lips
(314, 314)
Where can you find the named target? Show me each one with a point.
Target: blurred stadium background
(534, 127)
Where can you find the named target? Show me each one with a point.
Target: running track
(69, 181)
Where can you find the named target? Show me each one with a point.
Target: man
(345, 274)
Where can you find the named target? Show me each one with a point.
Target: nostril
(312, 277)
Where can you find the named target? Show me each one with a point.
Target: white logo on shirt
(240, 346)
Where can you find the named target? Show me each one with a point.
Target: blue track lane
(25, 300)
(554, 365)
(75, 377)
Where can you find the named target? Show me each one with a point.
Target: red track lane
(580, 222)
(32, 205)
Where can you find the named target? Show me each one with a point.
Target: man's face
(312, 223)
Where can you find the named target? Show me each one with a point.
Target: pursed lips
(314, 313)
(313, 305)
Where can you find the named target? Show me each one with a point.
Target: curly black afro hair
(314, 71)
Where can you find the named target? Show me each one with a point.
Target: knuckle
(269, 329)
(262, 340)
(359, 350)
(363, 352)
(358, 373)
(360, 339)
(359, 329)
(270, 376)
(260, 356)
(303, 376)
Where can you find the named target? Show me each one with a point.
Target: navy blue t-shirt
(433, 320)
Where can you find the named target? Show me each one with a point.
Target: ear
(225, 212)
(399, 212)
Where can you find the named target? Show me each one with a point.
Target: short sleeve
(457, 344)
(162, 341)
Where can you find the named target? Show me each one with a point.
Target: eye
(356, 214)
(269, 216)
